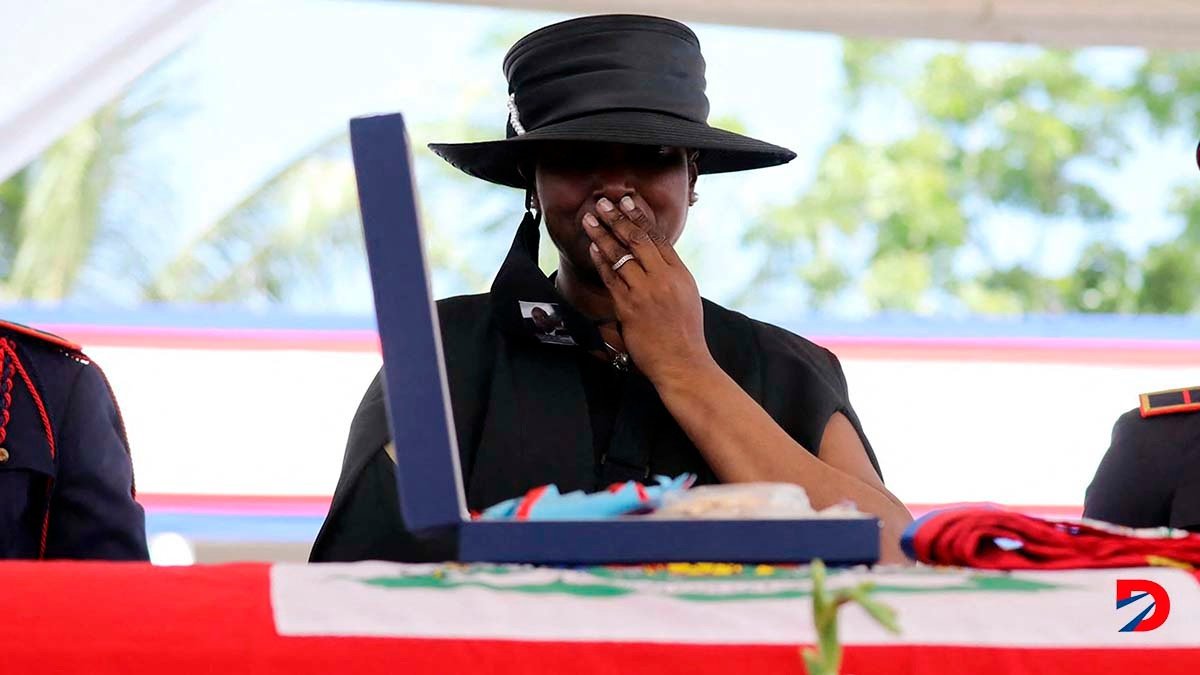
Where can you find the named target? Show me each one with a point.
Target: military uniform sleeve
(1185, 504)
(1134, 483)
(92, 512)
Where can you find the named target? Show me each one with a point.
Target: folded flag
(995, 538)
(545, 502)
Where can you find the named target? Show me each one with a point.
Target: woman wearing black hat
(607, 134)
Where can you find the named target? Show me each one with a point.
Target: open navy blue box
(418, 403)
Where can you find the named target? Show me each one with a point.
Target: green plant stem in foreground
(826, 659)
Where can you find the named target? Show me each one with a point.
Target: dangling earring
(531, 205)
(693, 170)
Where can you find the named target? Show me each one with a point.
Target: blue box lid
(418, 401)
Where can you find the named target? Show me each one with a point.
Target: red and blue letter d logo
(1130, 591)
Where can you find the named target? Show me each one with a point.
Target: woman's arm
(662, 323)
(743, 444)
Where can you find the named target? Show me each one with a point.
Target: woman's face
(570, 177)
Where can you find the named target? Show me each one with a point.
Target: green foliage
(295, 231)
(908, 217)
(271, 239)
(51, 213)
(977, 139)
(1168, 88)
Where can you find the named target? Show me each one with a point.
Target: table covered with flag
(382, 617)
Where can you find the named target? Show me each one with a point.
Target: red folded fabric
(995, 538)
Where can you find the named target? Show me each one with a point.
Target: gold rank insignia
(1170, 401)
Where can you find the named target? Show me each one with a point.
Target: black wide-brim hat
(608, 79)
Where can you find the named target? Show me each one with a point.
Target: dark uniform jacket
(1150, 476)
(521, 410)
(66, 480)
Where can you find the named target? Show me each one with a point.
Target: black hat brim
(720, 151)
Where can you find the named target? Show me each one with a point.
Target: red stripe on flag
(133, 619)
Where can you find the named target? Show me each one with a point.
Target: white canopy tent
(1166, 24)
(61, 59)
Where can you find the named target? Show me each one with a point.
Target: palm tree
(52, 211)
(281, 232)
(300, 228)
(285, 240)
(292, 233)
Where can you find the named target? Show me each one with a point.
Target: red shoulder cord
(12, 363)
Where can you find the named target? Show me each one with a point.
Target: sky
(266, 79)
